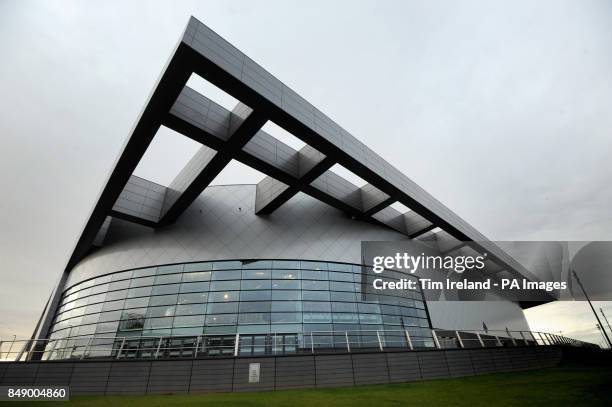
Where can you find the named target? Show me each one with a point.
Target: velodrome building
(199, 271)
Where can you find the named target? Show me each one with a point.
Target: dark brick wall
(281, 372)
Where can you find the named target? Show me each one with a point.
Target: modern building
(252, 269)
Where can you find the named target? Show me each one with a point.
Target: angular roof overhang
(226, 135)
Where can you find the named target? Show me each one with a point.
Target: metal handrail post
(523, 336)
(121, 347)
(53, 348)
(480, 339)
(409, 339)
(459, 339)
(512, 339)
(348, 346)
(86, 347)
(542, 339)
(197, 347)
(8, 354)
(499, 342)
(236, 344)
(161, 338)
(379, 341)
(435, 338)
(311, 343)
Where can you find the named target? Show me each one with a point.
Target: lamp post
(593, 309)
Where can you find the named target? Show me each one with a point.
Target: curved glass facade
(293, 304)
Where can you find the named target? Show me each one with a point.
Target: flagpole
(593, 309)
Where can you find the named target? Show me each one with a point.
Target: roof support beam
(244, 123)
(271, 194)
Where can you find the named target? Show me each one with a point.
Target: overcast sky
(499, 109)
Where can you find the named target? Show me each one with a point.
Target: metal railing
(157, 347)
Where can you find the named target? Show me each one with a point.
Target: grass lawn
(561, 386)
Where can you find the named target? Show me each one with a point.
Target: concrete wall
(282, 372)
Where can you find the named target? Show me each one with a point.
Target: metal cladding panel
(295, 372)
(141, 198)
(202, 113)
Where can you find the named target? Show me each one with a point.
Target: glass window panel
(173, 268)
(192, 298)
(344, 307)
(259, 306)
(254, 318)
(87, 329)
(316, 317)
(165, 289)
(253, 329)
(368, 308)
(320, 275)
(389, 309)
(164, 311)
(337, 276)
(93, 308)
(189, 321)
(346, 268)
(187, 331)
(342, 296)
(223, 296)
(286, 284)
(119, 285)
(227, 265)
(136, 302)
(314, 265)
(90, 319)
(225, 285)
(191, 309)
(102, 280)
(112, 305)
(317, 306)
(198, 267)
(107, 327)
(222, 319)
(286, 328)
(256, 274)
(168, 278)
(255, 284)
(263, 295)
(154, 323)
(286, 306)
(345, 318)
(337, 286)
(112, 296)
(110, 316)
(222, 307)
(286, 317)
(315, 285)
(286, 264)
(163, 300)
(286, 295)
(391, 319)
(220, 330)
(196, 276)
(194, 287)
(370, 319)
(142, 282)
(99, 289)
(145, 272)
(121, 276)
(140, 292)
(315, 295)
(286, 274)
(257, 264)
